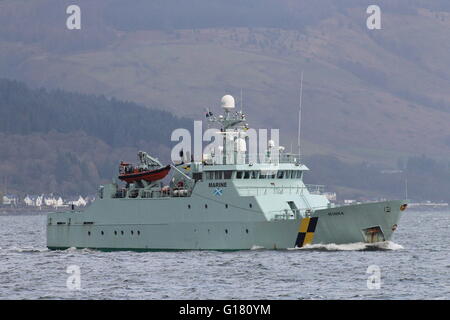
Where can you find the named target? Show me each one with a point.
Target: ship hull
(117, 227)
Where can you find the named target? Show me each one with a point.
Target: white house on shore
(52, 201)
(41, 201)
(34, 201)
(30, 201)
(9, 200)
(80, 202)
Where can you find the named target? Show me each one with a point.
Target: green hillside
(66, 143)
(369, 95)
(63, 142)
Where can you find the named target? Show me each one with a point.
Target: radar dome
(227, 102)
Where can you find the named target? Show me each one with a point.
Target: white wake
(357, 246)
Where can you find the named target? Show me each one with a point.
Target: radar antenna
(241, 100)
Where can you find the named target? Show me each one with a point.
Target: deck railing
(300, 190)
(315, 188)
(249, 158)
(290, 214)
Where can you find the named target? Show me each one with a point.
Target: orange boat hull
(149, 176)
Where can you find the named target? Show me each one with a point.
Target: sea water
(415, 265)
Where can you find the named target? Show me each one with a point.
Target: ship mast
(300, 113)
(230, 123)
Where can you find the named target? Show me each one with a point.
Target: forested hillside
(63, 142)
(374, 95)
(68, 143)
(376, 103)
(418, 177)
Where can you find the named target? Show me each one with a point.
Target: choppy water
(415, 266)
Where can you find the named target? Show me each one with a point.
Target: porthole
(132, 232)
(89, 233)
(226, 231)
(226, 206)
(246, 230)
(115, 232)
(206, 206)
(250, 205)
(189, 206)
(139, 233)
(102, 233)
(121, 232)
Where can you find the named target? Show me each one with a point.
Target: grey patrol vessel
(227, 201)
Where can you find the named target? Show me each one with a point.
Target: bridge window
(254, 174)
(210, 175)
(246, 174)
(227, 174)
(197, 176)
(267, 174)
(280, 174)
(297, 174)
(218, 175)
(239, 175)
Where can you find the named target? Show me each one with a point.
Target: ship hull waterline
(369, 222)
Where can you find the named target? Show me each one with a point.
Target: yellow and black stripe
(306, 232)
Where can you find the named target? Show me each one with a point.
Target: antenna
(406, 188)
(241, 100)
(300, 113)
